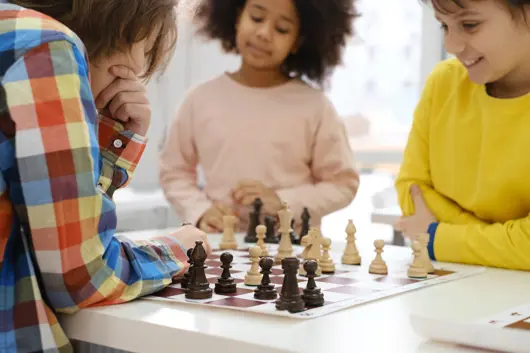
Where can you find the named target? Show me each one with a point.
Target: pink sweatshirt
(289, 137)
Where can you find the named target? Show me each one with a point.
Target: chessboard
(514, 318)
(347, 286)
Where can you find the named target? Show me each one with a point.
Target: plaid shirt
(59, 164)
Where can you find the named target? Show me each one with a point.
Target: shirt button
(118, 143)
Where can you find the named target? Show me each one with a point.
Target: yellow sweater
(470, 154)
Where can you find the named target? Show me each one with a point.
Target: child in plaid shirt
(72, 132)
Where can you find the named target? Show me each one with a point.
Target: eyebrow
(262, 8)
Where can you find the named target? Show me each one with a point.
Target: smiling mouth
(258, 50)
(471, 63)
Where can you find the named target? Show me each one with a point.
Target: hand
(419, 222)
(125, 99)
(212, 220)
(248, 190)
(188, 235)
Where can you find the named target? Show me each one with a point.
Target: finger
(123, 71)
(242, 192)
(216, 223)
(249, 183)
(225, 209)
(117, 86)
(132, 110)
(248, 199)
(123, 98)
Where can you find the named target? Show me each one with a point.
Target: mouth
(472, 62)
(257, 50)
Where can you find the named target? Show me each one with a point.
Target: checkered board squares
(518, 317)
(349, 286)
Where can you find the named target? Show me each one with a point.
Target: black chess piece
(290, 297)
(187, 275)
(225, 284)
(294, 237)
(198, 286)
(305, 222)
(254, 221)
(312, 295)
(266, 290)
(270, 237)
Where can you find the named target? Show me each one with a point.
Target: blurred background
(374, 95)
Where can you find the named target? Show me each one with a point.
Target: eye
(282, 30)
(256, 19)
(470, 25)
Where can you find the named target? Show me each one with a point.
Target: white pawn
(253, 276)
(378, 265)
(351, 254)
(417, 268)
(228, 240)
(260, 234)
(326, 262)
(423, 239)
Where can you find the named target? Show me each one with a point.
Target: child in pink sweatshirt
(262, 131)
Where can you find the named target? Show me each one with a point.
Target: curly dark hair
(325, 26)
(512, 5)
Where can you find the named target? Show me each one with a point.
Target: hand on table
(247, 191)
(125, 100)
(189, 234)
(419, 222)
(212, 220)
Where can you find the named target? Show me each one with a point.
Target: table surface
(380, 326)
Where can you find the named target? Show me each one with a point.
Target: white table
(381, 326)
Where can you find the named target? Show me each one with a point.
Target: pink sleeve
(178, 168)
(333, 167)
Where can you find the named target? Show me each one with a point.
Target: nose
(265, 31)
(454, 43)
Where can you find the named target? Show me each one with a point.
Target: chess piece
(266, 290)
(198, 286)
(254, 221)
(351, 254)
(378, 265)
(225, 284)
(228, 240)
(312, 296)
(260, 235)
(423, 239)
(305, 222)
(286, 248)
(187, 275)
(312, 250)
(290, 298)
(253, 277)
(417, 268)
(326, 262)
(270, 237)
(294, 237)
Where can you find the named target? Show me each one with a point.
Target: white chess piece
(312, 250)
(228, 240)
(423, 239)
(417, 268)
(285, 249)
(378, 265)
(351, 254)
(253, 276)
(326, 262)
(260, 234)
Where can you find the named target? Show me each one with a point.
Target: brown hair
(110, 26)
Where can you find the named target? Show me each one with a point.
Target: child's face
(267, 32)
(486, 37)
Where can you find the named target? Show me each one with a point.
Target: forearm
(504, 245)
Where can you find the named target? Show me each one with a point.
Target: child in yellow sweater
(465, 178)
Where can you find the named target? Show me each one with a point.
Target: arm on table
(415, 170)
(504, 245)
(70, 220)
(178, 167)
(333, 168)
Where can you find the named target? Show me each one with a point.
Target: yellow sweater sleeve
(504, 245)
(415, 166)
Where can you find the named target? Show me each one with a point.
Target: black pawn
(187, 275)
(312, 295)
(225, 284)
(198, 286)
(305, 222)
(254, 221)
(290, 297)
(270, 237)
(266, 290)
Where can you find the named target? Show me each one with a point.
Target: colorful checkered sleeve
(70, 220)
